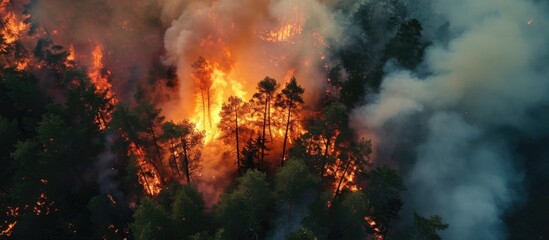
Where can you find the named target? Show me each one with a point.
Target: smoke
(249, 40)
(244, 41)
(128, 32)
(106, 173)
(484, 88)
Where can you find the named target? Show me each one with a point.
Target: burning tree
(202, 75)
(291, 99)
(232, 125)
(266, 89)
(186, 144)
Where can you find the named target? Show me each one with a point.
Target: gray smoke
(485, 83)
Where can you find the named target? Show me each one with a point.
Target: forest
(278, 119)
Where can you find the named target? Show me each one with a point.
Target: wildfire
(372, 223)
(342, 181)
(147, 174)
(283, 34)
(71, 58)
(11, 25)
(207, 108)
(7, 226)
(100, 78)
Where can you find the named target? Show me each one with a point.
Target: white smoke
(489, 77)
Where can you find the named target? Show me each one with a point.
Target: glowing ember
(71, 58)
(377, 235)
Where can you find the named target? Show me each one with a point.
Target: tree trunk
(263, 136)
(203, 108)
(158, 154)
(342, 177)
(325, 158)
(209, 108)
(286, 135)
(237, 141)
(269, 118)
(186, 160)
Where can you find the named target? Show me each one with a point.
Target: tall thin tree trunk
(269, 118)
(203, 108)
(286, 135)
(342, 177)
(237, 140)
(263, 136)
(209, 108)
(186, 160)
(324, 160)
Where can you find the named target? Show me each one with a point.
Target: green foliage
(424, 228)
(302, 234)
(245, 211)
(407, 47)
(151, 222)
(350, 213)
(293, 180)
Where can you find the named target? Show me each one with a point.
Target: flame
(7, 232)
(222, 87)
(148, 177)
(11, 25)
(283, 34)
(100, 78)
(377, 233)
(8, 226)
(71, 57)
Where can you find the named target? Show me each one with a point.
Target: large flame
(12, 27)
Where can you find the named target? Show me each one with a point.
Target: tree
(302, 234)
(189, 143)
(231, 124)
(292, 181)
(407, 47)
(266, 89)
(202, 74)
(424, 228)
(351, 212)
(152, 221)
(383, 190)
(188, 211)
(245, 211)
(333, 121)
(358, 155)
(150, 122)
(291, 99)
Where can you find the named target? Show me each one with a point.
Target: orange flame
(377, 235)
(148, 177)
(12, 27)
(100, 78)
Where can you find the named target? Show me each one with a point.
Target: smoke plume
(243, 41)
(484, 86)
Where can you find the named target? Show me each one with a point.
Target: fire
(283, 34)
(206, 113)
(7, 232)
(148, 177)
(7, 226)
(372, 223)
(100, 78)
(11, 25)
(71, 57)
